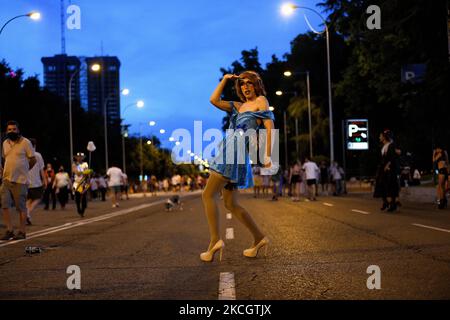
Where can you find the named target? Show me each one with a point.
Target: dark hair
(12, 123)
(387, 134)
(255, 78)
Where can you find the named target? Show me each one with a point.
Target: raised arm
(215, 97)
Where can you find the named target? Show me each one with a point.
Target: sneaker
(29, 222)
(8, 235)
(20, 236)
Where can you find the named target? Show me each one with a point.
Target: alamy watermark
(374, 21)
(374, 281)
(74, 280)
(237, 146)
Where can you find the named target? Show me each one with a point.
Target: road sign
(413, 73)
(357, 134)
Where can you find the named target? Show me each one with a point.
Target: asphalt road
(318, 250)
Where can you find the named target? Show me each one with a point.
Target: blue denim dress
(239, 172)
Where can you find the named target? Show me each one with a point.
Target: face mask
(13, 136)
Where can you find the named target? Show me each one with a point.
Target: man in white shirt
(115, 181)
(38, 183)
(19, 159)
(311, 171)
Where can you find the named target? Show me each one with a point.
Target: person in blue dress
(230, 173)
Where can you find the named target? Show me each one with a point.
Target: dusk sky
(171, 51)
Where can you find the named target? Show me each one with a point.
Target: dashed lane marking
(429, 227)
(229, 233)
(229, 216)
(227, 287)
(328, 204)
(360, 211)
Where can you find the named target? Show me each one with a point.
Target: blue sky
(171, 51)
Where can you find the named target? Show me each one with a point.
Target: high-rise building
(57, 73)
(103, 87)
(94, 90)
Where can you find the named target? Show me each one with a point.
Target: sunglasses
(247, 82)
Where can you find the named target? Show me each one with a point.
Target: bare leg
(231, 203)
(23, 221)
(31, 205)
(7, 219)
(215, 184)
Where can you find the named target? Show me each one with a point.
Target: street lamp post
(95, 68)
(34, 15)
(70, 115)
(288, 74)
(105, 121)
(139, 104)
(280, 93)
(288, 9)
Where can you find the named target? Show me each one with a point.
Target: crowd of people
(302, 178)
(176, 183)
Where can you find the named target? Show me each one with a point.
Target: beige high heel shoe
(253, 251)
(208, 256)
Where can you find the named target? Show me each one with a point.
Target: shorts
(311, 182)
(115, 189)
(443, 171)
(35, 193)
(295, 179)
(14, 194)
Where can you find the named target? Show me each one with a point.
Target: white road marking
(227, 286)
(429, 227)
(328, 204)
(83, 222)
(360, 211)
(229, 216)
(229, 233)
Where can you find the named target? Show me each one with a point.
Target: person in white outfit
(311, 172)
(115, 182)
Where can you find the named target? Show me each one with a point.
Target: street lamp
(288, 9)
(124, 92)
(139, 104)
(151, 124)
(280, 93)
(288, 74)
(34, 15)
(95, 67)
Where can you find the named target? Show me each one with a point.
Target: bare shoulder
(237, 105)
(262, 103)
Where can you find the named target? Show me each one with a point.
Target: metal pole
(105, 115)
(123, 152)
(70, 117)
(22, 15)
(285, 141)
(140, 144)
(344, 162)
(309, 116)
(296, 136)
(329, 97)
